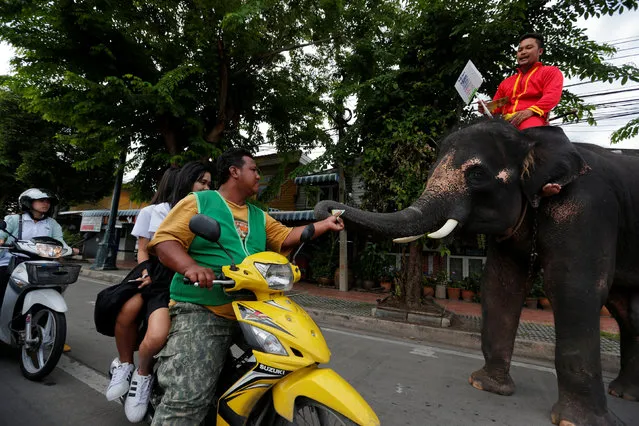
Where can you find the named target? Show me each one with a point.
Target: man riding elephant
(488, 179)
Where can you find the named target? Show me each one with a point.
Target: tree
(31, 155)
(405, 94)
(170, 80)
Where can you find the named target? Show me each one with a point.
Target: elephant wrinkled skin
(489, 177)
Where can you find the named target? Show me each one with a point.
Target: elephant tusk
(444, 230)
(405, 240)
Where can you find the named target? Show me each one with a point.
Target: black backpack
(109, 301)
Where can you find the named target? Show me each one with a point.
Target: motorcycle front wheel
(49, 328)
(310, 412)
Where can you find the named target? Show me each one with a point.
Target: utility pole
(108, 248)
(343, 238)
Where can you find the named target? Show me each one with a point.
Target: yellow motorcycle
(277, 378)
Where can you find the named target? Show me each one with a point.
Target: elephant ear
(551, 159)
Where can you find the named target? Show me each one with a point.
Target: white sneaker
(120, 378)
(137, 400)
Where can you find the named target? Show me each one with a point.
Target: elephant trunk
(425, 215)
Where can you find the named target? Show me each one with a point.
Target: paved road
(406, 382)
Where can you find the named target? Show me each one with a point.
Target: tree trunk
(413, 283)
(215, 135)
(168, 133)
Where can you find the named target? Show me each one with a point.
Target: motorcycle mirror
(3, 227)
(205, 227)
(208, 228)
(307, 235)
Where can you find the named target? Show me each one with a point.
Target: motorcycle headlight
(262, 340)
(48, 250)
(278, 277)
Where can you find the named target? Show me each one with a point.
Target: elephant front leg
(503, 293)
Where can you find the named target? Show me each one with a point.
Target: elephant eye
(476, 174)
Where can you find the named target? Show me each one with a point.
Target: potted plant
(429, 283)
(536, 292)
(322, 264)
(538, 289)
(470, 287)
(454, 290)
(323, 274)
(386, 279)
(373, 264)
(441, 280)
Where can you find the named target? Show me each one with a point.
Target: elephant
(489, 178)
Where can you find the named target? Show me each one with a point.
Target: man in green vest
(202, 320)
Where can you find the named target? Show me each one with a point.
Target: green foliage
(33, 155)
(455, 284)
(611, 336)
(630, 130)
(442, 278)
(374, 262)
(472, 282)
(324, 259)
(429, 280)
(415, 102)
(172, 81)
(537, 289)
(481, 241)
(72, 238)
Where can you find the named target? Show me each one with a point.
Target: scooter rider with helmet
(35, 221)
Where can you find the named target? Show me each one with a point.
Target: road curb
(544, 351)
(100, 275)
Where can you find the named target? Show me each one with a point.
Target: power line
(627, 48)
(620, 39)
(622, 57)
(585, 82)
(632, 40)
(601, 118)
(620, 101)
(610, 92)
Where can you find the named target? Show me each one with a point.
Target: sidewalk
(354, 309)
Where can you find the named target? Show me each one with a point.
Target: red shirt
(539, 90)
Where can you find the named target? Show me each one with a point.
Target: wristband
(145, 276)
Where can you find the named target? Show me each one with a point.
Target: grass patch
(608, 335)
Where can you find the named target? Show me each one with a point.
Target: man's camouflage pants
(190, 363)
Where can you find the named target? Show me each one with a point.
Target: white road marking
(86, 375)
(422, 349)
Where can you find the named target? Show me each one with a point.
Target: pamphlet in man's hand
(497, 103)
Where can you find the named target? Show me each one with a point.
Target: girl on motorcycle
(35, 221)
(152, 300)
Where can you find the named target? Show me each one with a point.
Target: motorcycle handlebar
(224, 283)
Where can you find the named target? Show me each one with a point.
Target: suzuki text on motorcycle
(277, 378)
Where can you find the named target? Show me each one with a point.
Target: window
(459, 267)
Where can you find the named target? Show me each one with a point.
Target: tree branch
(215, 134)
(260, 58)
(293, 47)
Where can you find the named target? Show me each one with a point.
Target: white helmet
(31, 194)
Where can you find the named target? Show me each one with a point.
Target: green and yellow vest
(208, 254)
